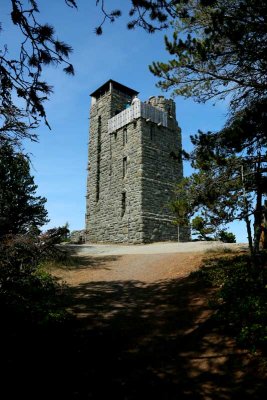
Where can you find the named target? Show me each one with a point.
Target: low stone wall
(78, 237)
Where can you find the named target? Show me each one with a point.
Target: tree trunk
(250, 243)
(258, 208)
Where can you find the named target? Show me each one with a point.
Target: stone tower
(133, 166)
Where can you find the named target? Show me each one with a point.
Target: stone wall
(78, 237)
(106, 219)
(162, 169)
(131, 174)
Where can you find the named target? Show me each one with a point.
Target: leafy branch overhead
(218, 48)
(39, 48)
(150, 15)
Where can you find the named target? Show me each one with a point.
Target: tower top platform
(111, 84)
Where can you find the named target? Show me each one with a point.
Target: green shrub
(227, 237)
(33, 298)
(29, 296)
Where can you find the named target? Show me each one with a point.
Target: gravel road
(144, 263)
(153, 248)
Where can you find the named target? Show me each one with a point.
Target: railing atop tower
(137, 110)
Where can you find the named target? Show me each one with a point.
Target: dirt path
(144, 332)
(146, 268)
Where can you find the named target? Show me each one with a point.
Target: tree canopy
(230, 179)
(218, 49)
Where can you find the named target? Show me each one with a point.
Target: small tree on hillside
(20, 209)
(226, 237)
(202, 228)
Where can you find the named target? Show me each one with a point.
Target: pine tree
(21, 210)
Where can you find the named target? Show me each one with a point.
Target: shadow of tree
(91, 262)
(80, 262)
(132, 340)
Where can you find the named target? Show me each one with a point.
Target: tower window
(123, 203)
(124, 136)
(152, 133)
(124, 167)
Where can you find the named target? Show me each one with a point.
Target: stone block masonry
(132, 170)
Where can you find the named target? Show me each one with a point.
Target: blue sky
(60, 158)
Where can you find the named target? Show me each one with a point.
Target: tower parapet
(163, 104)
(135, 111)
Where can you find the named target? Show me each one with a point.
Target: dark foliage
(27, 293)
(22, 76)
(241, 299)
(227, 237)
(203, 229)
(150, 15)
(20, 208)
(230, 180)
(15, 126)
(246, 131)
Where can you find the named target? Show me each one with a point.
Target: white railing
(138, 109)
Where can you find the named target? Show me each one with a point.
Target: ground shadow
(84, 262)
(135, 341)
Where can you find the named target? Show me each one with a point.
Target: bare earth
(145, 263)
(146, 268)
(144, 331)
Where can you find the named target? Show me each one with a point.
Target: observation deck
(137, 110)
